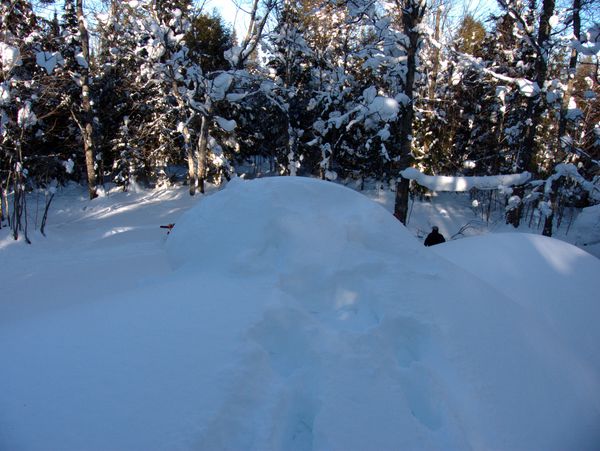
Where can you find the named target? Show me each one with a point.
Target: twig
(46, 214)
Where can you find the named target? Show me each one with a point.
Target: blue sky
(230, 13)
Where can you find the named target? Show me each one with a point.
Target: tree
(85, 118)
(470, 37)
(412, 12)
(208, 40)
(18, 95)
(533, 88)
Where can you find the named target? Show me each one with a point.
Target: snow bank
(457, 184)
(297, 315)
(555, 280)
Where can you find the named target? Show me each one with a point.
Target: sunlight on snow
(117, 230)
(560, 261)
(345, 298)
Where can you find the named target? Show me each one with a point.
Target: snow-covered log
(457, 184)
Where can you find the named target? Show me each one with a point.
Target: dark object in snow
(168, 226)
(435, 237)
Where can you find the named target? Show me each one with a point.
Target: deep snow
(291, 313)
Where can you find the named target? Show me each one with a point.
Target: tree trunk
(535, 103)
(513, 216)
(401, 201)
(564, 110)
(412, 15)
(19, 212)
(548, 221)
(87, 122)
(88, 147)
(192, 166)
(202, 152)
(436, 55)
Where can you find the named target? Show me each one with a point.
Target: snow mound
(363, 339)
(267, 224)
(299, 315)
(555, 280)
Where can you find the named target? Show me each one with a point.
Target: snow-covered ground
(291, 313)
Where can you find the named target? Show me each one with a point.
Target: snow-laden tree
(463, 127)
(399, 38)
(20, 34)
(123, 108)
(183, 96)
(359, 66)
(77, 86)
(291, 61)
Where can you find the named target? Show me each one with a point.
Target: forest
(157, 92)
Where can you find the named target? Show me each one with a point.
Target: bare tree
(86, 124)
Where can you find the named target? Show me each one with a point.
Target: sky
(238, 18)
(234, 16)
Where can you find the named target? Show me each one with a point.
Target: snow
(545, 270)
(587, 227)
(4, 94)
(220, 85)
(384, 107)
(80, 58)
(10, 57)
(69, 165)
(49, 60)
(227, 125)
(290, 313)
(25, 116)
(591, 45)
(570, 171)
(458, 184)
(528, 88)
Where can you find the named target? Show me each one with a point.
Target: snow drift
(300, 315)
(274, 224)
(556, 281)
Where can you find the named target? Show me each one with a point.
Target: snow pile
(300, 315)
(265, 225)
(542, 281)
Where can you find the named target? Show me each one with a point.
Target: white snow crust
(291, 313)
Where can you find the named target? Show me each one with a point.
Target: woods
(352, 90)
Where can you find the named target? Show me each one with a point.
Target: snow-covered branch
(458, 184)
